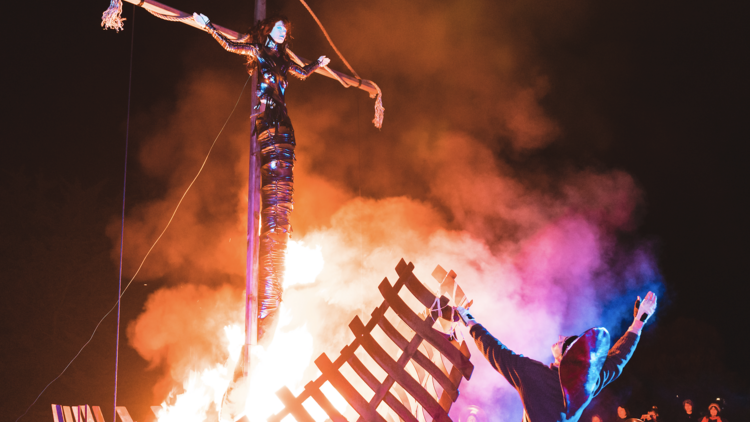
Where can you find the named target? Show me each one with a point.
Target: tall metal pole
(253, 222)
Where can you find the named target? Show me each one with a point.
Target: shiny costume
(275, 136)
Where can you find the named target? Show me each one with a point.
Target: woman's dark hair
(260, 33)
(627, 412)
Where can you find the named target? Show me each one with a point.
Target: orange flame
(281, 364)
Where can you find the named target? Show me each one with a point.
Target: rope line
(144, 258)
(379, 109)
(170, 17)
(122, 226)
(330, 41)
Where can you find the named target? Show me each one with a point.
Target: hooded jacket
(545, 398)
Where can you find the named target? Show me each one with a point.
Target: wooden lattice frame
(398, 380)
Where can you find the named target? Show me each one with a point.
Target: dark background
(670, 80)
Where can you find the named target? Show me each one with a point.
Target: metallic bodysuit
(275, 135)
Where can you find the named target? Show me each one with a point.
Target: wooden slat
(402, 396)
(401, 410)
(345, 354)
(364, 373)
(352, 396)
(423, 361)
(294, 406)
(402, 267)
(448, 285)
(68, 414)
(57, 413)
(98, 414)
(424, 330)
(392, 368)
(122, 412)
(327, 406)
(89, 414)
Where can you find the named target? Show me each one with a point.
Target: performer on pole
(583, 366)
(266, 51)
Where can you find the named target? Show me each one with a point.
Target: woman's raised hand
(323, 60)
(200, 19)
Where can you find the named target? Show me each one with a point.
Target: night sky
(657, 91)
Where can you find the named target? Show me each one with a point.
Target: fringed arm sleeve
(232, 46)
(303, 72)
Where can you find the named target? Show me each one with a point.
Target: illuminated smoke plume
(445, 182)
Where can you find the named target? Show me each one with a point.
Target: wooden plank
(346, 353)
(68, 414)
(424, 330)
(427, 298)
(327, 406)
(424, 362)
(98, 414)
(449, 287)
(402, 396)
(82, 413)
(57, 413)
(350, 394)
(89, 414)
(397, 372)
(402, 267)
(122, 412)
(446, 400)
(401, 410)
(364, 373)
(294, 406)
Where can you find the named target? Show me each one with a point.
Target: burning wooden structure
(436, 386)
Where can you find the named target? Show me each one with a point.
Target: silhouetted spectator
(713, 410)
(689, 415)
(624, 415)
(652, 415)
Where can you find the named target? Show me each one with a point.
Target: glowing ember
(282, 364)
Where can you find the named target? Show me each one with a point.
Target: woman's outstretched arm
(304, 72)
(229, 45)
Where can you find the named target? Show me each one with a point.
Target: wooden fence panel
(399, 383)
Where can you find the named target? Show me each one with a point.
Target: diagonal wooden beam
(399, 407)
(423, 361)
(425, 330)
(396, 371)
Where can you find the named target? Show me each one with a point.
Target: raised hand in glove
(643, 311)
(200, 19)
(466, 317)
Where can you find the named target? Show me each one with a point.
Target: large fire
(281, 364)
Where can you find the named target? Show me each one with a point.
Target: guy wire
(122, 226)
(122, 293)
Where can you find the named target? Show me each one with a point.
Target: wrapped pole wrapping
(277, 187)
